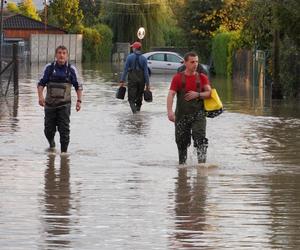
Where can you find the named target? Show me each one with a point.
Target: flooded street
(121, 187)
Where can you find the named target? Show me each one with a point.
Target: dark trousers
(135, 95)
(59, 118)
(191, 126)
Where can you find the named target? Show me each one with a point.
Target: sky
(38, 3)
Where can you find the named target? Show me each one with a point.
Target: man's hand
(147, 87)
(171, 116)
(42, 101)
(191, 95)
(78, 105)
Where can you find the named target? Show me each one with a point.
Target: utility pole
(46, 13)
(276, 88)
(1, 32)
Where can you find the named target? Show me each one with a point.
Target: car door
(173, 62)
(156, 63)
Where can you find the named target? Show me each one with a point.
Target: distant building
(18, 27)
(37, 41)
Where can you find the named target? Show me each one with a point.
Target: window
(157, 57)
(173, 58)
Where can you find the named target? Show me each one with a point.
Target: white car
(165, 62)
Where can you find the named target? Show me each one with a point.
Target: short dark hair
(189, 54)
(62, 47)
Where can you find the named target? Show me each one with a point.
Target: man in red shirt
(189, 117)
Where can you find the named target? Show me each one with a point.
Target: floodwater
(121, 187)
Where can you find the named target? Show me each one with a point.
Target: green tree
(65, 14)
(199, 20)
(13, 7)
(273, 25)
(91, 10)
(26, 8)
(125, 17)
(258, 28)
(232, 14)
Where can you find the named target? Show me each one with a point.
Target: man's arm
(194, 95)
(42, 83)
(124, 75)
(206, 93)
(170, 99)
(79, 99)
(40, 91)
(77, 85)
(146, 72)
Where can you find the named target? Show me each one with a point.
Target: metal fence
(9, 80)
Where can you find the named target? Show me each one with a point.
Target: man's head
(61, 54)
(191, 61)
(136, 46)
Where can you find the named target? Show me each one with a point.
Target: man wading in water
(138, 77)
(191, 88)
(59, 77)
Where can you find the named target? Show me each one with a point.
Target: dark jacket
(58, 73)
(129, 64)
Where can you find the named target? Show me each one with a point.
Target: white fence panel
(42, 46)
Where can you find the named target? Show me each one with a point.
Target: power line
(131, 4)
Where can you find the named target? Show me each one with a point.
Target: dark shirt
(59, 73)
(129, 64)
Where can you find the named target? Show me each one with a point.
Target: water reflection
(57, 205)
(284, 195)
(276, 140)
(9, 113)
(190, 209)
(134, 124)
(253, 201)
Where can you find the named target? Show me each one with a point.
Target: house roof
(21, 22)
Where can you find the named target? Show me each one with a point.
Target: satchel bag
(120, 94)
(213, 105)
(148, 96)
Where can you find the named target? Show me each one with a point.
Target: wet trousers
(192, 125)
(135, 95)
(58, 118)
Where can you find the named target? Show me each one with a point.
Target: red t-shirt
(190, 82)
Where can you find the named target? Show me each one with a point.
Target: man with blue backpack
(59, 77)
(138, 77)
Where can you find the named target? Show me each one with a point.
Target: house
(37, 39)
(18, 27)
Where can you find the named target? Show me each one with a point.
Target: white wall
(42, 46)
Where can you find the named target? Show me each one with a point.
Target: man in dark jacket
(138, 76)
(59, 77)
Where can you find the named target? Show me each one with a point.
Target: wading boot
(201, 151)
(133, 107)
(52, 144)
(64, 148)
(182, 154)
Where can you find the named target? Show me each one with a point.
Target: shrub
(97, 43)
(106, 36)
(224, 46)
(91, 41)
(290, 68)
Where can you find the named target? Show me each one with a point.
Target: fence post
(15, 69)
